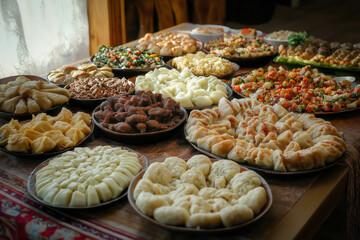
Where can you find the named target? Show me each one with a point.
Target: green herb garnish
(298, 38)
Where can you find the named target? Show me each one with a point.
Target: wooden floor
(331, 20)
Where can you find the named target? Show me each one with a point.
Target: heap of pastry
(97, 88)
(68, 74)
(45, 133)
(23, 96)
(184, 87)
(142, 112)
(270, 137)
(86, 177)
(323, 53)
(199, 193)
(202, 64)
(168, 44)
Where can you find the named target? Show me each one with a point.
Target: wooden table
(301, 202)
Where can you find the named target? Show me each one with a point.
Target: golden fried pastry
(24, 96)
(245, 130)
(68, 74)
(45, 133)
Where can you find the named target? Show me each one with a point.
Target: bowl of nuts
(90, 92)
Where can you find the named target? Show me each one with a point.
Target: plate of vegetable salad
(127, 59)
(303, 90)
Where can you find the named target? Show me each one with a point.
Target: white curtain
(37, 36)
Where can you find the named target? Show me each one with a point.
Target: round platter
(250, 61)
(235, 68)
(139, 138)
(316, 113)
(52, 110)
(266, 207)
(265, 170)
(49, 153)
(144, 162)
(127, 72)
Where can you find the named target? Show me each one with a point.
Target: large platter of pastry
(199, 194)
(202, 64)
(22, 96)
(45, 135)
(264, 137)
(85, 177)
(68, 74)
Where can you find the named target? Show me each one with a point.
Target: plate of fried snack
(22, 96)
(199, 195)
(45, 135)
(141, 118)
(266, 138)
(86, 177)
(202, 64)
(68, 74)
(169, 44)
(90, 92)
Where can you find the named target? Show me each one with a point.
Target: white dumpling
(224, 168)
(171, 215)
(204, 220)
(176, 166)
(158, 173)
(235, 215)
(201, 162)
(194, 176)
(254, 199)
(243, 182)
(148, 202)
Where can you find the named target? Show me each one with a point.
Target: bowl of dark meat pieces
(138, 119)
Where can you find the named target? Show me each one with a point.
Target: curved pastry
(245, 130)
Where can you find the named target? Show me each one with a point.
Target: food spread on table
(202, 64)
(198, 193)
(240, 47)
(86, 177)
(126, 58)
(68, 74)
(271, 129)
(24, 96)
(168, 44)
(247, 131)
(184, 87)
(300, 90)
(97, 88)
(45, 133)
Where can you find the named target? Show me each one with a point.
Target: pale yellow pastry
(86, 177)
(68, 74)
(45, 133)
(190, 200)
(24, 96)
